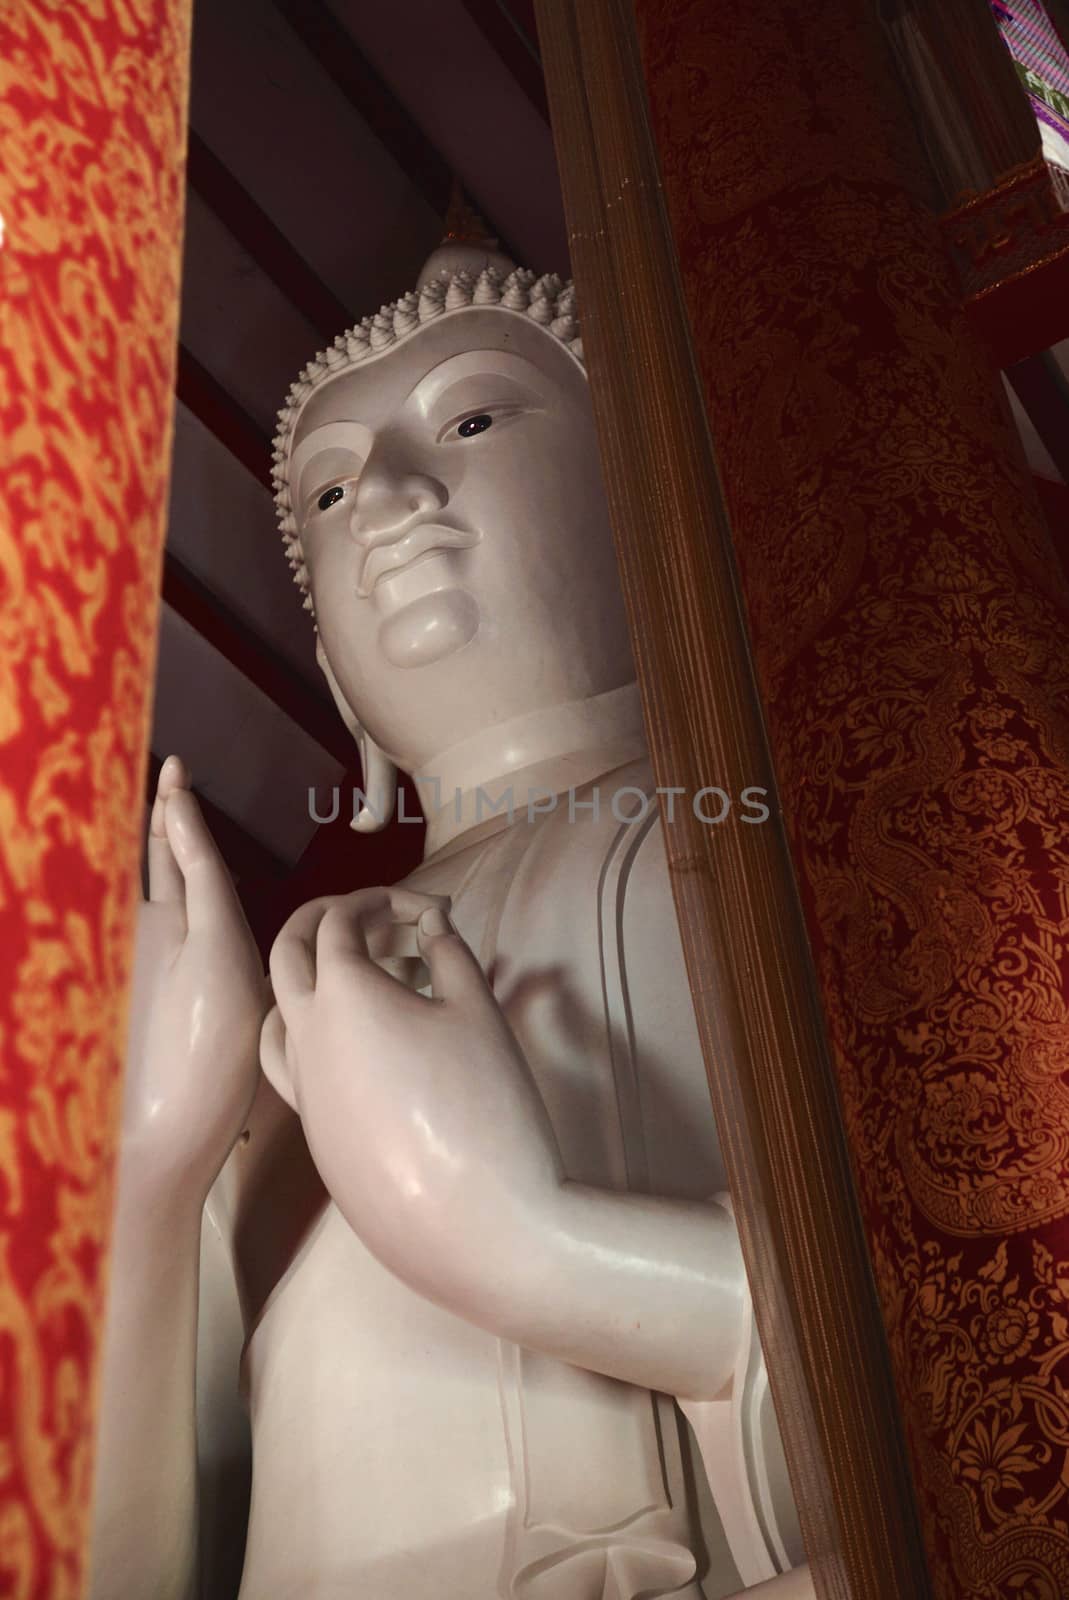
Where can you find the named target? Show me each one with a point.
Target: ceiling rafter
(245, 650)
(218, 411)
(510, 42)
(343, 62)
(263, 241)
(216, 407)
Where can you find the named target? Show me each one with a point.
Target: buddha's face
(451, 511)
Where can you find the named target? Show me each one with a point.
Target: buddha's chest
(573, 923)
(572, 920)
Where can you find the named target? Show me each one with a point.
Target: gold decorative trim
(1001, 235)
(1037, 265)
(973, 199)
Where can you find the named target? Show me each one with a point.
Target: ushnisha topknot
(547, 301)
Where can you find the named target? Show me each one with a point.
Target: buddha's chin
(429, 628)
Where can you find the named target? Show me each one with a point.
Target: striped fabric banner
(1043, 65)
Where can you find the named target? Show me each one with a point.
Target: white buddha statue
(497, 1335)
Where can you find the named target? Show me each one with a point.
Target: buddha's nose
(388, 503)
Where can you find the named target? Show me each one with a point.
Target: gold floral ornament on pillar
(92, 133)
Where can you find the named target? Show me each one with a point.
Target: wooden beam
(514, 48)
(266, 243)
(343, 62)
(196, 604)
(213, 405)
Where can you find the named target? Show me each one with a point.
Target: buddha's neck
(469, 788)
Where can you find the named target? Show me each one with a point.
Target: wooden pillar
(92, 108)
(908, 623)
(753, 987)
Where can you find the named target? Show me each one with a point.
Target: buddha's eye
(473, 425)
(330, 497)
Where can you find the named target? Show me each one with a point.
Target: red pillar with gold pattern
(92, 139)
(909, 624)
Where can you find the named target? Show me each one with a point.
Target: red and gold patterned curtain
(92, 136)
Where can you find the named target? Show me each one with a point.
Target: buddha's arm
(794, 1585)
(652, 1292)
(198, 997)
(648, 1290)
(144, 1543)
(428, 1130)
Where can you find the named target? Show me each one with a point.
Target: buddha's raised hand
(431, 1136)
(199, 997)
(420, 1112)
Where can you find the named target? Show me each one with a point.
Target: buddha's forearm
(794, 1585)
(144, 1538)
(648, 1290)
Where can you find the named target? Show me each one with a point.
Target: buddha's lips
(384, 559)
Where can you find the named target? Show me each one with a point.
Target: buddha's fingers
(456, 976)
(345, 929)
(292, 962)
(408, 905)
(212, 905)
(293, 954)
(382, 913)
(343, 959)
(348, 951)
(165, 881)
(273, 1056)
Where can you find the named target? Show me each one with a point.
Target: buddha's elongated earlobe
(380, 788)
(378, 771)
